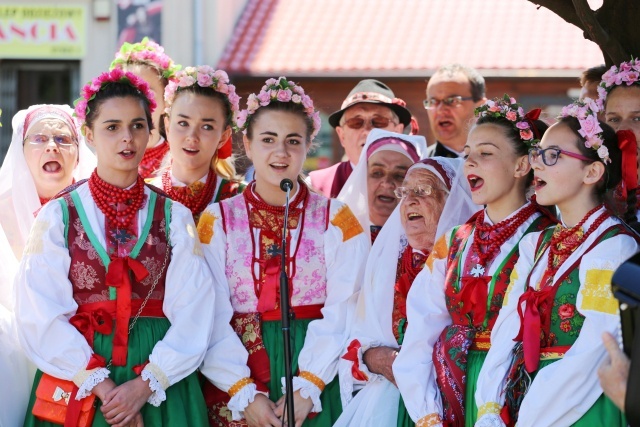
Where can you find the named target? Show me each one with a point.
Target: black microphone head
(286, 184)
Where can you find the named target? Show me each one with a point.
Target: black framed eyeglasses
(550, 155)
(452, 101)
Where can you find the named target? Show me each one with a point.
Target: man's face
(358, 120)
(450, 123)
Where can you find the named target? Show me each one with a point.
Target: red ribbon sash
(118, 277)
(531, 324)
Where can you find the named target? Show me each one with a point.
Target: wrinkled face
(622, 111)
(451, 123)
(156, 84)
(420, 214)
(385, 172)
(490, 164)
(278, 148)
(195, 130)
(119, 136)
(353, 140)
(51, 164)
(561, 182)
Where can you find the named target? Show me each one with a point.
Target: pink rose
(526, 134)
(284, 95)
(522, 125)
(253, 102)
(625, 66)
(222, 87)
(186, 81)
(204, 80)
(234, 100)
(603, 152)
(566, 311)
(264, 98)
(494, 109)
(271, 82)
(241, 118)
(511, 115)
(306, 101)
(221, 75)
(206, 69)
(81, 108)
(632, 77)
(589, 126)
(520, 112)
(296, 98)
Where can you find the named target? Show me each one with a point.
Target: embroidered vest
(308, 283)
(87, 270)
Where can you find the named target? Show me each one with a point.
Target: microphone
(286, 313)
(286, 185)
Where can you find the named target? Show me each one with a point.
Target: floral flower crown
(116, 75)
(586, 112)
(280, 90)
(146, 51)
(628, 73)
(203, 76)
(509, 109)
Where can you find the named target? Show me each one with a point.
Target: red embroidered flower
(566, 311)
(565, 326)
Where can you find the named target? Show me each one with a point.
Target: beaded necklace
(485, 245)
(152, 159)
(195, 196)
(107, 197)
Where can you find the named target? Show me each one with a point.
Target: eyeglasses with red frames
(375, 122)
(550, 155)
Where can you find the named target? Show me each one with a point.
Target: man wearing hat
(370, 104)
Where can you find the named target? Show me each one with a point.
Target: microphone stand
(285, 309)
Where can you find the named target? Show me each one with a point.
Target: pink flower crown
(586, 112)
(203, 76)
(280, 90)
(508, 108)
(146, 51)
(116, 75)
(628, 73)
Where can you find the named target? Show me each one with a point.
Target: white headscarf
(380, 272)
(373, 319)
(18, 195)
(354, 193)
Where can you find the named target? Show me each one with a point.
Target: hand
(301, 408)
(101, 390)
(260, 412)
(614, 372)
(379, 361)
(123, 402)
(137, 421)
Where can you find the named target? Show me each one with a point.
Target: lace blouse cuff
(310, 387)
(489, 420)
(158, 383)
(86, 380)
(242, 394)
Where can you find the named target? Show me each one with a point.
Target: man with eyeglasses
(453, 93)
(369, 105)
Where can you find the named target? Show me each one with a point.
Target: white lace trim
(490, 420)
(242, 399)
(308, 390)
(94, 377)
(158, 396)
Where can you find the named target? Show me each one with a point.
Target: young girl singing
(326, 252)
(200, 105)
(113, 281)
(547, 342)
(451, 309)
(148, 61)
